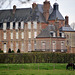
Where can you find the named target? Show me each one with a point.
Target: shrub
(12, 51)
(9, 51)
(18, 51)
(1, 51)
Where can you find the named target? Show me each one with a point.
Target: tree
(18, 51)
(9, 50)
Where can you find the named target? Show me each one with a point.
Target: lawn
(35, 69)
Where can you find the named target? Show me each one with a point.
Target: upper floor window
(35, 25)
(4, 35)
(22, 35)
(17, 35)
(16, 26)
(1, 25)
(8, 25)
(11, 35)
(61, 34)
(29, 25)
(11, 25)
(29, 34)
(35, 34)
(4, 26)
(52, 33)
(22, 25)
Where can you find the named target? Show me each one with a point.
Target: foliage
(18, 51)
(1, 51)
(37, 57)
(9, 51)
(12, 51)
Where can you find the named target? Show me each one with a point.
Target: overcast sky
(66, 7)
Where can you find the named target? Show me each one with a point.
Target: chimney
(66, 21)
(46, 7)
(14, 9)
(34, 5)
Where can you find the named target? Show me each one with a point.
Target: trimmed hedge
(39, 57)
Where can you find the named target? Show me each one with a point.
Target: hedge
(38, 57)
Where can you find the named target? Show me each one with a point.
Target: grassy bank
(35, 69)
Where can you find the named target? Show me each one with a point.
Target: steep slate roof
(66, 29)
(55, 14)
(46, 32)
(23, 14)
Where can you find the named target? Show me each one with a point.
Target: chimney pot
(14, 9)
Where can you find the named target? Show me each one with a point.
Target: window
(34, 45)
(54, 34)
(54, 46)
(29, 25)
(11, 35)
(16, 46)
(1, 25)
(22, 25)
(8, 25)
(4, 26)
(43, 46)
(11, 46)
(11, 25)
(62, 46)
(19, 25)
(35, 34)
(29, 34)
(22, 46)
(16, 26)
(4, 35)
(22, 35)
(60, 34)
(16, 35)
(35, 25)
(5, 48)
(29, 46)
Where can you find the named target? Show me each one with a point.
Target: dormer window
(11, 25)
(22, 25)
(8, 25)
(16, 26)
(61, 34)
(4, 26)
(29, 25)
(1, 25)
(52, 33)
(35, 25)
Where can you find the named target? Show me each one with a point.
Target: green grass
(35, 69)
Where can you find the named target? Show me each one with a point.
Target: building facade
(40, 28)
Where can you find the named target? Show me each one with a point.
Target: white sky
(66, 7)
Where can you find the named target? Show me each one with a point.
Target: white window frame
(35, 34)
(29, 25)
(11, 25)
(5, 36)
(54, 45)
(22, 35)
(62, 46)
(4, 26)
(34, 25)
(29, 34)
(17, 36)
(16, 26)
(22, 25)
(5, 48)
(11, 35)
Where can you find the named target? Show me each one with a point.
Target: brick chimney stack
(14, 9)
(46, 7)
(66, 20)
(34, 5)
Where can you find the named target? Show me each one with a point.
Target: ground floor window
(5, 48)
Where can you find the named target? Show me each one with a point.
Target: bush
(18, 51)
(12, 51)
(1, 51)
(37, 57)
(9, 51)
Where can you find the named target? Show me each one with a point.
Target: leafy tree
(9, 50)
(18, 51)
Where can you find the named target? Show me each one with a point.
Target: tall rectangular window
(54, 46)
(5, 48)
(11, 35)
(16, 46)
(22, 46)
(22, 35)
(16, 26)
(11, 25)
(35, 25)
(43, 46)
(22, 25)
(29, 34)
(62, 46)
(34, 45)
(4, 35)
(29, 46)
(4, 26)
(29, 25)
(17, 35)
(11, 46)
(35, 34)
